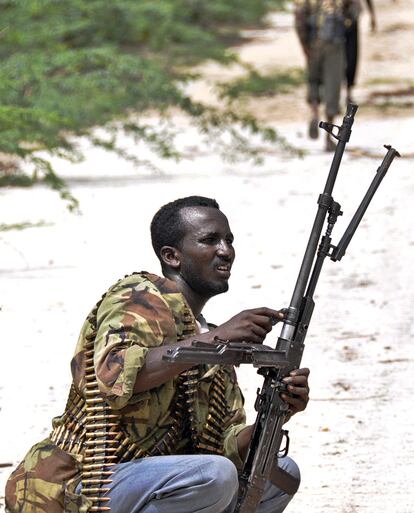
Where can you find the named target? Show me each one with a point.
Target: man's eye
(230, 241)
(209, 240)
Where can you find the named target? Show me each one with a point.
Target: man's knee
(289, 466)
(221, 473)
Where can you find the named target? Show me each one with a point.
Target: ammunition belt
(211, 438)
(70, 434)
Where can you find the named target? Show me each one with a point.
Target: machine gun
(260, 464)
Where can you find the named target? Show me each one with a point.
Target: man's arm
(370, 5)
(301, 13)
(248, 326)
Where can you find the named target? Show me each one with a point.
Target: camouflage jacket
(139, 312)
(317, 21)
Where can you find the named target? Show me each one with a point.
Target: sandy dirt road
(355, 443)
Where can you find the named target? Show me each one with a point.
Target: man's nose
(225, 249)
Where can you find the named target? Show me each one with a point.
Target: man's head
(193, 242)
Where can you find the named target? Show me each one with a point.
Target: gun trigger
(284, 452)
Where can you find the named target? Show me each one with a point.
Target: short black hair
(167, 227)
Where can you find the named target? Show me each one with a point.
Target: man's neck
(194, 300)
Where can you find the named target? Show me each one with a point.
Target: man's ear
(170, 256)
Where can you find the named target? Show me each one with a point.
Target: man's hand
(249, 325)
(298, 388)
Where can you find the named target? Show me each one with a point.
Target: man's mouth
(224, 269)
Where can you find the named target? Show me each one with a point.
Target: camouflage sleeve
(236, 423)
(132, 318)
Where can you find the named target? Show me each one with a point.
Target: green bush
(68, 66)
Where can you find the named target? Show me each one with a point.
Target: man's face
(206, 250)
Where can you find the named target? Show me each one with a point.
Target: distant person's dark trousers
(351, 53)
(325, 75)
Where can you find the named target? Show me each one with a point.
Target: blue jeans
(186, 484)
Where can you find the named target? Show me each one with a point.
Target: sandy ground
(355, 443)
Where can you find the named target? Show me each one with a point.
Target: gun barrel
(324, 203)
(340, 249)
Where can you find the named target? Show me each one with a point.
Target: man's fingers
(298, 377)
(301, 381)
(268, 312)
(299, 391)
(250, 325)
(259, 333)
(266, 317)
(263, 322)
(295, 404)
(300, 372)
(298, 388)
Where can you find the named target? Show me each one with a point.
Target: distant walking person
(352, 10)
(321, 31)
